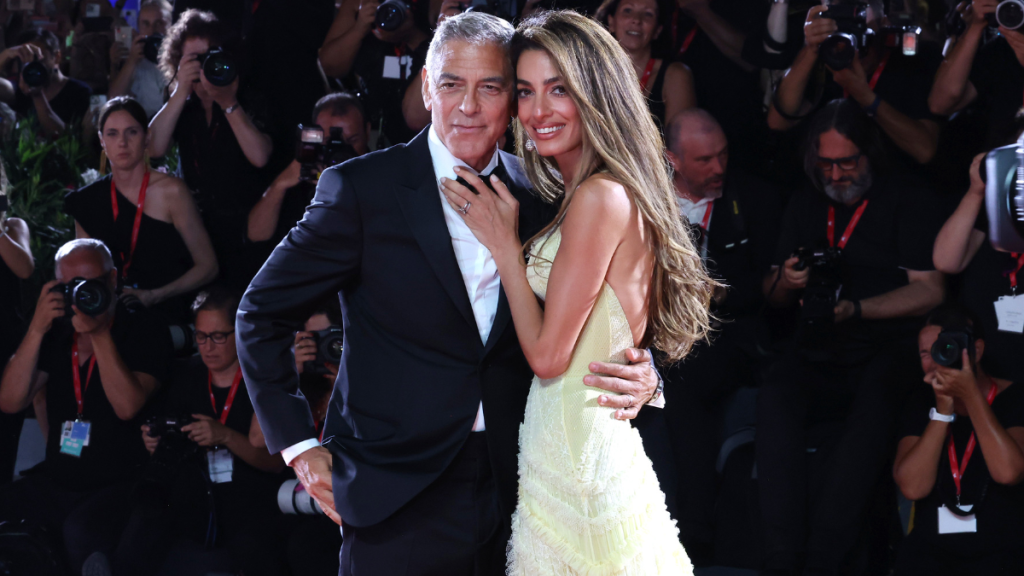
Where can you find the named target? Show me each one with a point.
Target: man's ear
(675, 160)
(425, 87)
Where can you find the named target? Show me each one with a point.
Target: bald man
(737, 219)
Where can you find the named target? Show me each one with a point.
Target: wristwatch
(935, 415)
(659, 390)
(231, 108)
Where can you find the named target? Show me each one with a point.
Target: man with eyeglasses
(845, 383)
(94, 373)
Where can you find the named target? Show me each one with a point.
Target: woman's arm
(958, 241)
(677, 92)
(354, 21)
(257, 457)
(15, 250)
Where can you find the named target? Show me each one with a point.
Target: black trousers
(453, 528)
(817, 532)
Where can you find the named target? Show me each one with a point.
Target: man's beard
(849, 193)
(710, 188)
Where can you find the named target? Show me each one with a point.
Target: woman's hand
(977, 186)
(493, 216)
(151, 442)
(146, 297)
(956, 383)
(206, 431)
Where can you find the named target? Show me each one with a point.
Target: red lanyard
(707, 216)
(958, 471)
(231, 395)
(138, 220)
(646, 76)
(1013, 273)
(849, 227)
(76, 376)
(675, 34)
(876, 75)
(323, 427)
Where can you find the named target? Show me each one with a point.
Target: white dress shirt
(479, 271)
(695, 212)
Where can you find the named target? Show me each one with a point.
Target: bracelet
(935, 415)
(231, 108)
(872, 109)
(659, 390)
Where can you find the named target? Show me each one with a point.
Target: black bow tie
(498, 171)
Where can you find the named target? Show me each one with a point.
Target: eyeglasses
(848, 163)
(217, 337)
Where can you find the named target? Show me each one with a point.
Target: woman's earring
(530, 146)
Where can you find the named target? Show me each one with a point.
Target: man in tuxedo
(420, 450)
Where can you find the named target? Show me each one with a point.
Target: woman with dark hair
(147, 219)
(221, 147)
(636, 24)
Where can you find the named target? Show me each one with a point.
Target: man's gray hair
(472, 28)
(80, 244)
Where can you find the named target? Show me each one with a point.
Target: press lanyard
(958, 471)
(231, 395)
(138, 219)
(76, 376)
(707, 216)
(646, 76)
(675, 34)
(1013, 273)
(876, 75)
(849, 227)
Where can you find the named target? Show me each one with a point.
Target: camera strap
(878, 73)
(76, 375)
(223, 417)
(958, 471)
(849, 227)
(1013, 273)
(646, 75)
(136, 225)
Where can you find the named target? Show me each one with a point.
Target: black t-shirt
(71, 103)
(1001, 511)
(387, 69)
(296, 200)
(115, 447)
(895, 234)
(999, 79)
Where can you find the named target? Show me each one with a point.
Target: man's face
(701, 159)
(354, 130)
(844, 172)
(469, 97)
(216, 356)
(151, 21)
(87, 264)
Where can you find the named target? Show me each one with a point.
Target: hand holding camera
(49, 307)
(955, 382)
(188, 75)
(207, 431)
(319, 352)
(817, 28)
(366, 17)
(151, 441)
(794, 274)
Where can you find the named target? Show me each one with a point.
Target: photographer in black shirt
(961, 458)
(861, 297)
(388, 61)
(98, 369)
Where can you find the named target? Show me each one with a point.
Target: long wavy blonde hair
(621, 141)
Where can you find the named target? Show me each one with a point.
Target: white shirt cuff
(291, 452)
(659, 403)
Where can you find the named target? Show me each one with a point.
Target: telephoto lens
(292, 498)
(1010, 14)
(391, 15)
(949, 347)
(35, 74)
(151, 48)
(91, 297)
(219, 67)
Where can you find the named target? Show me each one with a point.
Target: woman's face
(216, 356)
(545, 108)
(123, 139)
(635, 24)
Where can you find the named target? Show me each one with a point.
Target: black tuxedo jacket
(413, 369)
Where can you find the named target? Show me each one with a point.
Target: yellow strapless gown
(589, 502)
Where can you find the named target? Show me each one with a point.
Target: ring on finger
(465, 209)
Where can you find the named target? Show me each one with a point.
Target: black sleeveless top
(10, 319)
(655, 102)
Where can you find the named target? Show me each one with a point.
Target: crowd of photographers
(854, 413)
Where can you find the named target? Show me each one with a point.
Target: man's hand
(138, 47)
(85, 324)
(224, 96)
(1016, 41)
(366, 17)
(634, 383)
(189, 72)
(25, 53)
(974, 12)
(793, 279)
(956, 383)
(207, 431)
(290, 177)
(817, 28)
(977, 186)
(844, 310)
(854, 81)
(151, 442)
(313, 468)
(49, 307)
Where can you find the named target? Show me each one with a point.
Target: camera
(1009, 14)
(314, 151)
(1004, 196)
(903, 38)
(151, 47)
(329, 346)
(164, 426)
(91, 297)
(948, 349)
(219, 67)
(823, 285)
(391, 15)
(838, 50)
(35, 74)
(292, 498)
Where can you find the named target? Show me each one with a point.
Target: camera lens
(91, 297)
(151, 49)
(220, 68)
(1010, 14)
(332, 346)
(35, 74)
(946, 351)
(838, 51)
(391, 15)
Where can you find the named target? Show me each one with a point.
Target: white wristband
(935, 415)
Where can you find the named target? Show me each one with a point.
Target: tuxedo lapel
(420, 201)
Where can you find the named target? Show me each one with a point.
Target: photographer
(132, 72)
(220, 146)
(387, 61)
(55, 99)
(153, 228)
(243, 479)
(986, 274)
(993, 72)
(16, 264)
(285, 201)
(961, 451)
(891, 87)
(861, 300)
(98, 368)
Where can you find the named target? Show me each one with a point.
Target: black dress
(161, 255)
(655, 101)
(10, 335)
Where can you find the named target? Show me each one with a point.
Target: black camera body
(35, 74)
(948, 349)
(314, 150)
(823, 284)
(219, 67)
(151, 47)
(838, 50)
(329, 346)
(91, 297)
(1004, 197)
(164, 426)
(391, 15)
